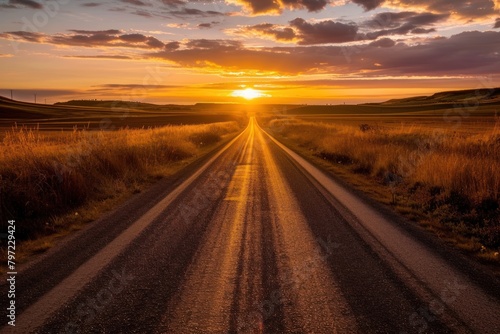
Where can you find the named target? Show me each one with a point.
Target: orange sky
(300, 51)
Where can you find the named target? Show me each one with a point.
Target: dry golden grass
(46, 176)
(451, 175)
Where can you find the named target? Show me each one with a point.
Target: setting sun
(248, 94)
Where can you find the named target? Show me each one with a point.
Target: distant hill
(112, 104)
(12, 109)
(103, 103)
(488, 99)
(484, 95)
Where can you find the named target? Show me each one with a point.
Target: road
(253, 240)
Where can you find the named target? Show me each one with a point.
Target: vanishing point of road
(253, 239)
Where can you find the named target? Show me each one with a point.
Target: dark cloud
(116, 57)
(91, 4)
(420, 31)
(310, 5)
(324, 32)
(331, 32)
(232, 55)
(27, 36)
(207, 25)
(468, 53)
(402, 23)
(172, 46)
(269, 6)
(383, 43)
(141, 39)
(497, 24)
(143, 13)
(164, 9)
(463, 8)
(207, 44)
(97, 32)
(189, 12)
(24, 3)
(136, 2)
(260, 6)
(369, 4)
(276, 32)
(154, 43)
(466, 8)
(173, 3)
(86, 38)
(395, 20)
(133, 38)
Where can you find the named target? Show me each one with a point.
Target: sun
(248, 93)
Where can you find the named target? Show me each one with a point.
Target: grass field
(440, 166)
(58, 175)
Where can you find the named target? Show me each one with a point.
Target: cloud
(303, 32)
(369, 4)
(227, 56)
(173, 3)
(136, 2)
(402, 23)
(22, 3)
(164, 9)
(116, 57)
(266, 30)
(26, 36)
(277, 6)
(143, 13)
(190, 12)
(310, 5)
(497, 24)
(468, 53)
(462, 8)
(383, 43)
(207, 25)
(331, 32)
(324, 32)
(172, 46)
(395, 20)
(207, 44)
(97, 32)
(435, 57)
(91, 4)
(88, 38)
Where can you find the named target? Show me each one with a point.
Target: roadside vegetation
(52, 182)
(447, 180)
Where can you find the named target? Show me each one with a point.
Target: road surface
(252, 240)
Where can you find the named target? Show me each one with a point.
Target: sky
(282, 51)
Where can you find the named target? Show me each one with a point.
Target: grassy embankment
(52, 183)
(449, 181)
